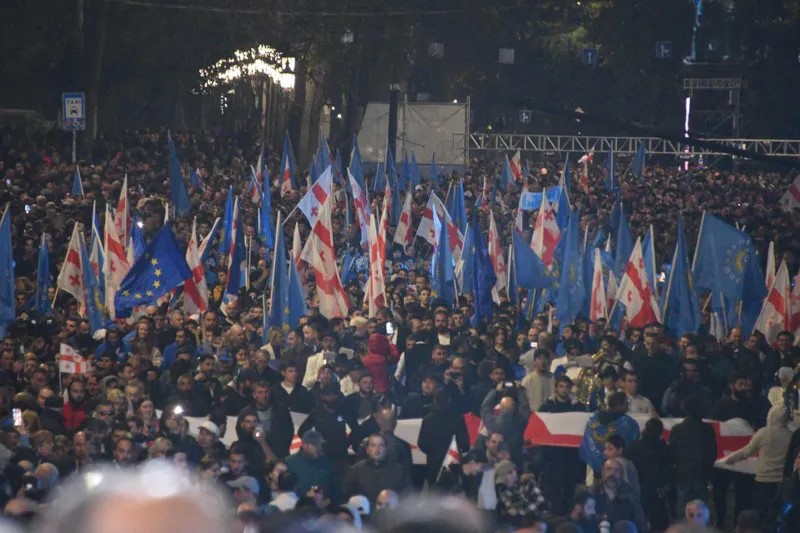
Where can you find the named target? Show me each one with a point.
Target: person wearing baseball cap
(313, 469)
(245, 490)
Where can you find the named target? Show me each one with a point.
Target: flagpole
(697, 244)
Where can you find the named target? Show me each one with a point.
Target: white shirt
(639, 405)
(315, 362)
(285, 501)
(487, 494)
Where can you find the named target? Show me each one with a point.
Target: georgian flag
(375, 295)
(776, 312)
(317, 195)
(71, 362)
(70, 279)
(426, 229)
(635, 293)
(195, 289)
(516, 166)
(116, 263)
(361, 206)
(498, 261)
(546, 233)
(597, 305)
(403, 234)
(770, 274)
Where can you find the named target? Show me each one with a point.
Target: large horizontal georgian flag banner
(544, 429)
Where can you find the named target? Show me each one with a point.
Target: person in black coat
(653, 461)
(290, 392)
(437, 431)
(693, 447)
(415, 358)
(273, 419)
(330, 420)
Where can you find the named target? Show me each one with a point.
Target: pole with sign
(73, 117)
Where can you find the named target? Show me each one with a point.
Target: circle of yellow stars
(156, 282)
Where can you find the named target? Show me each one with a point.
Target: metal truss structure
(509, 142)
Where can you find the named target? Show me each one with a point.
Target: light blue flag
(433, 173)
(638, 161)
(379, 180)
(355, 165)
(8, 303)
(507, 177)
(177, 187)
(413, 175)
(623, 245)
(227, 221)
(137, 236)
(649, 253)
(442, 269)
(322, 160)
(721, 258)
(680, 308)
(41, 300)
(466, 275)
(745, 313)
(265, 214)
(571, 291)
(456, 206)
(530, 272)
(297, 297)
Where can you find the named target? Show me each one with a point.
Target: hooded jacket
(771, 443)
(377, 360)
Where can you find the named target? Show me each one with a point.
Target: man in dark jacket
(312, 468)
(290, 392)
(689, 384)
(274, 420)
(374, 474)
(331, 421)
(437, 431)
(511, 417)
(561, 467)
(656, 369)
(694, 448)
(418, 355)
(615, 498)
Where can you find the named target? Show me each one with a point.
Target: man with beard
(241, 398)
(191, 401)
(615, 498)
(441, 323)
(75, 409)
(82, 340)
(688, 385)
(114, 345)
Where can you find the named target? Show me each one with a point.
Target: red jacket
(380, 355)
(73, 416)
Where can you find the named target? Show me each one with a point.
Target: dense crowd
(342, 384)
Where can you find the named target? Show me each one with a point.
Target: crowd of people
(341, 384)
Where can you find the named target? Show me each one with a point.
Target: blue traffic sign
(73, 111)
(589, 56)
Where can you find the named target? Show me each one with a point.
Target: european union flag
(571, 291)
(530, 272)
(483, 275)
(721, 258)
(161, 268)
(680, 308)
(745, 313)
(8, 304)
(41, 300)
(177, 187)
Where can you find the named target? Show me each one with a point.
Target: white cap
(209, 426)
(360, 504)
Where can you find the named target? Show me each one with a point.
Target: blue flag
(297, 297)
(745, 313)
(571, 290)
(237, 257)
(41, 301)
(623, 245)
(322, 159)
(265, 218)
(457, 208)
(566, 174)
(483, 273)
(77, 184)
(442, 271)
(194, 179)
(137, 236)
(680, 308)
(287, 176)
(611, 177)
(91, 292)
(391, 168)
(507, 177)
(616, 212)
(96, 247)
(379, 180)
(227, 221)
(512, 273)
(721, 258)
(649, 253)
(160, 269)
(279, 284)
(355, 165)
(8, 303)
(405, 174)
(177, 187)
(413, 175)
(638, 161)
(530, 272)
